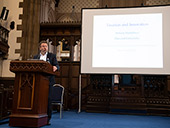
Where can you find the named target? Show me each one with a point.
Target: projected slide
(128, 41)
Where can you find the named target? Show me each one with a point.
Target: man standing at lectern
(51, 58)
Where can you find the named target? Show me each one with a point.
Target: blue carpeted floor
(72, 119)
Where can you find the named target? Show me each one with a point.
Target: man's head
(43, 46)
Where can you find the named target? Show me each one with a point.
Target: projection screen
(126, 40)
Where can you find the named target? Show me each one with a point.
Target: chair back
(57, 93)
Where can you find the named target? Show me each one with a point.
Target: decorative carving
(31, 65)
(101, 84)
(26, 91)
(6, 94)
(63, 33)
(4, 33)
(149, 96)
(155, 86)
(127, 100)
(158, 101)
(98, 99)
(128, 92)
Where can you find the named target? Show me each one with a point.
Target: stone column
(30, 28)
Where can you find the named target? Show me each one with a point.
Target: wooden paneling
(75, 71)
(75, 83)
(149, 96)
(168, 83)
(65, 70)
(26, 91)
(85, 81)
(98, 103)
(6, 96)
(69, 78)
(64, 82)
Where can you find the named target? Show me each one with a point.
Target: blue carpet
(72, 119)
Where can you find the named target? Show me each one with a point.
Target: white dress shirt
(43, 57)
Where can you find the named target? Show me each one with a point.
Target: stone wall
(14, 11)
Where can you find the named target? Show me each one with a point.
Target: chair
(57, 96)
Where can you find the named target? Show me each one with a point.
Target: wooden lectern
(31, 88)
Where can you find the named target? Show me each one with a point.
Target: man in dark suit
(51, 58)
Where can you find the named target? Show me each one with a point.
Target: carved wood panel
(6, 96)
(151, 96)
(155, 86)
(26, 91)
(69, 78)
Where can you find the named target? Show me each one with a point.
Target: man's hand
(54, 68)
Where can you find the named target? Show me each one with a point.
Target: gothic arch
(66, 18)
(51, 15)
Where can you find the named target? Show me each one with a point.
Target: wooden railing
(6, 94)
(4, 33)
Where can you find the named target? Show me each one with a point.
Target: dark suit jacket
(51, 58)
